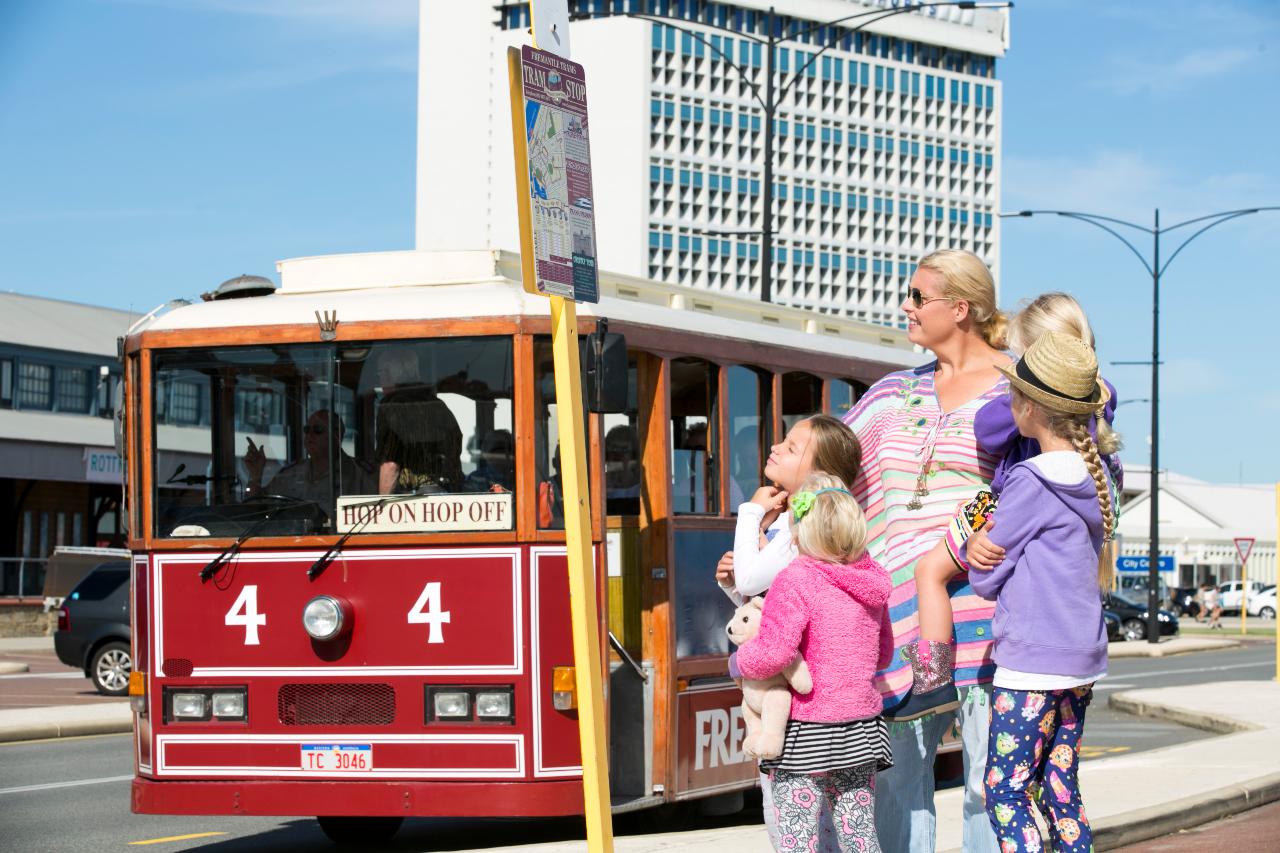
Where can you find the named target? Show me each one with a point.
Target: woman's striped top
(903, 431)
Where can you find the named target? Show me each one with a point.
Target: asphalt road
(73, 794)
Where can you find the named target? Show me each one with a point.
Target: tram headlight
(493, 704)
(324, 618)
(229, 705)
(451, 704)
(188, 706)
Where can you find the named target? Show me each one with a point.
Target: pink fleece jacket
(836, 616)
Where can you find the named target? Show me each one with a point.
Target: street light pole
(1153, 550)
(1156, 269)
(773, 91)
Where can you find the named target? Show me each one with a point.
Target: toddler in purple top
(933, 656)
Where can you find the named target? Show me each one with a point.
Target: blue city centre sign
(1142, 564)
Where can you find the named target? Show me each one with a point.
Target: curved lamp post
(1156, 270)
(773, 91)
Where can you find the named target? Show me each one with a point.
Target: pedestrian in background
(1055, 523)
(1213, 603)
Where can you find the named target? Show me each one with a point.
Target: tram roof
(487, 283)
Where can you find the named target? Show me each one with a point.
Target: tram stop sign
(550, 135)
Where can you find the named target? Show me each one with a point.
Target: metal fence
(22, 577)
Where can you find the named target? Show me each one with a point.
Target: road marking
(1105, 686)
(1097, 751)
(1199, 669)
(51, 785)
(176, 838)
(45, 675)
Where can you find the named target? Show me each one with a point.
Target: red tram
(349, 579)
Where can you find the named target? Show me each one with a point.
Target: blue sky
(153, 148)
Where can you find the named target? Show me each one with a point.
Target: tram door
(631, 672)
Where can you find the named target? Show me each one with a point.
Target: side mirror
(604, 370)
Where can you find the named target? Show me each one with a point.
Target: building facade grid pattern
(885, 149)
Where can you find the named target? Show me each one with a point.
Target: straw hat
(1060, 372)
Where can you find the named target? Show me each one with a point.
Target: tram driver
(418, 443)
(308, 478)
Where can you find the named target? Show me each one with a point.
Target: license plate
(337, 757)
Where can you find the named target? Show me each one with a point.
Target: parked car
(1231, 593)
(1114, 629)
(1183, 601)
(1264, 603)
(1133, 617)
(93, 628)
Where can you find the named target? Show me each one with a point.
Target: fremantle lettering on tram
(561, 201)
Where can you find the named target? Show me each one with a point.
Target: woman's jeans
(905, 819)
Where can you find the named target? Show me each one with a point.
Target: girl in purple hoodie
(1055, 524)
(830, 606)
(932, 656)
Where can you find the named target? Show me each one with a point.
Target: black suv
(93, 628)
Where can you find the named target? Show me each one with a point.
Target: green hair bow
(801, 502)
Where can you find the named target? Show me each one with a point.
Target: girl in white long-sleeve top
(762, 545)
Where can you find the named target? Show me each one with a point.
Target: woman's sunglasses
(919, 300)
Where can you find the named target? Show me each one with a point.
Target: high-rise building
(887, 143)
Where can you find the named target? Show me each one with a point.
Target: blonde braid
(1078, 433)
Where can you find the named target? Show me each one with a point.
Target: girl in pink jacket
(830, 605)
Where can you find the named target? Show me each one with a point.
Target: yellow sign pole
(1277, 574)
(582, 580)
(552, 18)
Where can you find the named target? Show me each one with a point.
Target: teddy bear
(766, 703)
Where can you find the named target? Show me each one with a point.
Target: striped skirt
(815, 747)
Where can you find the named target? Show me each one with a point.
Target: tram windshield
(273, 436)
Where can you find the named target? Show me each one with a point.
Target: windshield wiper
(234, 548)
(327, 557)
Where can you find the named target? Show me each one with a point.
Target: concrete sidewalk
(1129, 798)
(98, 718)
(1169, 646)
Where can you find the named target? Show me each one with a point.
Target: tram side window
(801, 398)
(546, 437)
(622, 472)
(842, 394)
(750, 420)
(694, 449)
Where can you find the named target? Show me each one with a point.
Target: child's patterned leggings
(1033, 750)
(850, 794)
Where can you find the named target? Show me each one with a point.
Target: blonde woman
(920, 463)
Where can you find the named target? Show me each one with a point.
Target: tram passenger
(622, 470)
(496, 470)
(308, 478)
(419, 443)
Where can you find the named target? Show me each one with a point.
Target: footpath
(1130, 797)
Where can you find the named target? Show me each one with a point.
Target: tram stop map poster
(559, 161)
